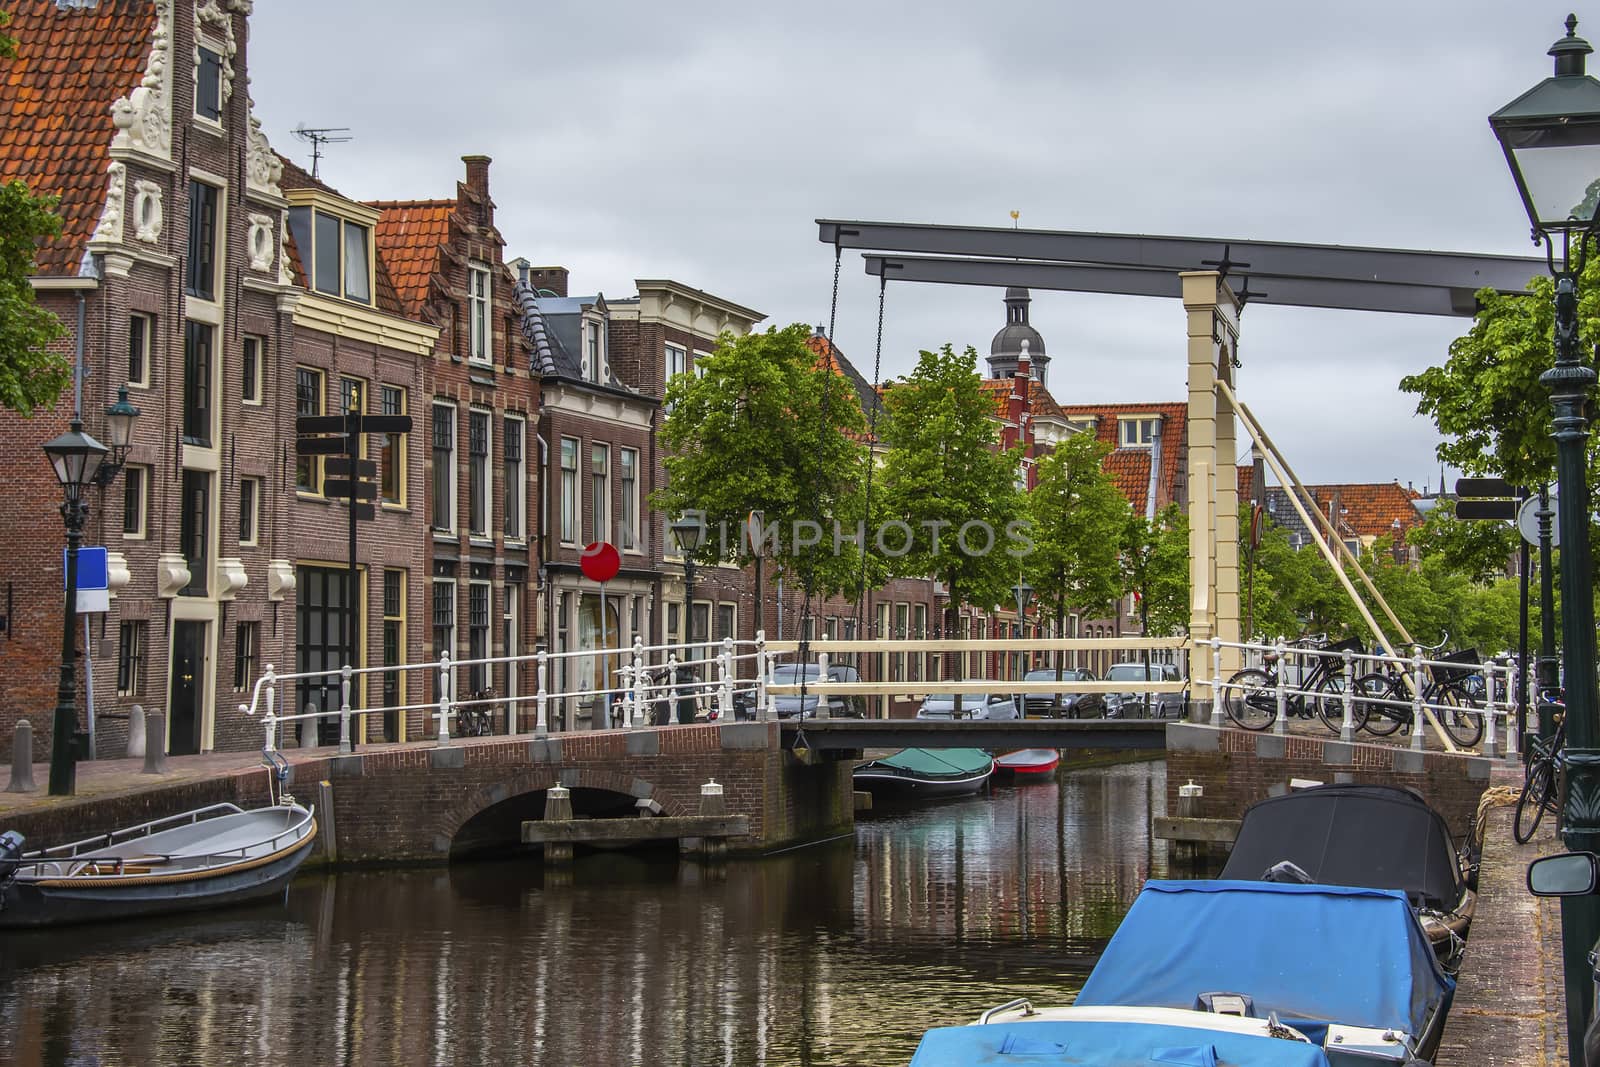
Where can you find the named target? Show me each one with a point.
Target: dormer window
(1087, 425)
(1137, 431)
(594, 350)
(208, 83)
(335, 252)
(480, 295)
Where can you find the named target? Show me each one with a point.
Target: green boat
(925, 772)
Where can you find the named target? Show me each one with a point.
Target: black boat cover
(1381, 837)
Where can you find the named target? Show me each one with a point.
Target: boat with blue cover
(1216, 973)
(924, 773)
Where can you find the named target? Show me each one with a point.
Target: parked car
(1141, 705)
(1073, 705)
(991, 706)
(791, 706)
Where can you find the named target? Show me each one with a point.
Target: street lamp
(1023, 592)
(1551, 138)
(76, 458)
(120, 418)
(689, 530)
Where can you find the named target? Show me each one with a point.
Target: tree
(31, 376)
(1076, 517)
(1478, 550)
(1155, 569)
(748, 432)
(952, 492)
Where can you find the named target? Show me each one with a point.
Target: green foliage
(31, 376)
(8, 45)
(1155, 564)
(748, 433)
(1477, 550)
(942, 470)
(1295, 590)
(1076, 516)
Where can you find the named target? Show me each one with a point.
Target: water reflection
(839, 954)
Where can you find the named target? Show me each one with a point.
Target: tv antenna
(319, 136)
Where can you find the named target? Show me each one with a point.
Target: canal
(838, 954)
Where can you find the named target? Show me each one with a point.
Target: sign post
(600, 562)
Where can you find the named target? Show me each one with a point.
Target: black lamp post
(76, 458)
(1551, 138)
(689, 530)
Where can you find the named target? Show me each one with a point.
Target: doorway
(185, 698)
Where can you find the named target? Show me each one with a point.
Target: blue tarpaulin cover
(1106, 1044)
(1314, 954)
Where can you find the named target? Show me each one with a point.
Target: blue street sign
(94, 574)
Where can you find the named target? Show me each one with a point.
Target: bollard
(1280, 725)
(136, 732)
(712, 803)
(558, 808)
(155, 743)
(1189, 808)
(22, 759)
(308, 727)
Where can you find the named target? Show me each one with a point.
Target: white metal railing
(1411, 676)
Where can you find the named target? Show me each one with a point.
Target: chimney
(477, 174)
(551, 279)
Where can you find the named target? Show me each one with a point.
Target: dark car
(791, 705)
(1073, 705)
(1572, 874)
(1143, 705)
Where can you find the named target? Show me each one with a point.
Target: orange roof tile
(55, 108)
(409, 235)
(1131, 466)
(1369, 509)
(999, 390)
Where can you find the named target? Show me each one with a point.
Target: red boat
(1028, 763)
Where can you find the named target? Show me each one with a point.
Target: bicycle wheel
(1330, 702)
(1385, 707)
(1462, 720)
(1250, 699)
(1533, 801)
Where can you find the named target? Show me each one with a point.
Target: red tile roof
(409, 236)
(999, 391)
(1131, 466)
(55, 108)
(1369, 509)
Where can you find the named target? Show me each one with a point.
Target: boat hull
(1028, 763)
(891, 785)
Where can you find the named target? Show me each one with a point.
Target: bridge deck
(844, 734)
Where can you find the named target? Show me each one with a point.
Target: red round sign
(600, 562)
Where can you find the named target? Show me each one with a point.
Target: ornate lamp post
(76, 458)
(689, 530)
(1551, 138)
(120, 418)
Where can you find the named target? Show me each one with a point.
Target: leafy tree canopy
(1077, 516)
(1155, 565)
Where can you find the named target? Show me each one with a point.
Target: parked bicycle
(475, 714)
(1539, 793)
(1251, 696)
(1448, 691)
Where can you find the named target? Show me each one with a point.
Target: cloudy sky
(700, 140)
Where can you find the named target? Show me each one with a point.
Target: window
(249, 508)
(478, 304)
(246, 651)
(352, 395)
(444, 466)
(141, 330)
(197, 383)
(392, 449)
(200, 264)
(902, 630)
(131, 635)
(593, 351)
(569, 490)
(600, 490)
(394, 634)
(336, 252)
(1138, 432)
(1084, 425)
(444, 617)
(674, 624)
(478, 473)
(308, 401)
(208, 84)
(725, 621)
(514, 477)
(135, 496)
(478, 634)
(250, 370)
(699, 628)
(677, 363)
(194, 530)
(628, 459)
(512, 618)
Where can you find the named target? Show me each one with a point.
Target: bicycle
(1455, 707)
(1539, 787)
(474, 715)
(1251, 698)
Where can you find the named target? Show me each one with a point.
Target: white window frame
(486, 531)
(600, 498)
(255, 510)
(629, 458)
(221, 52)
(571, 527)
(1142, 427)
(257, 377)
(145, 474)
(480, 302)
(455, 618)
(450, 514)
(593, 343)
(147, 347)
(516, 519)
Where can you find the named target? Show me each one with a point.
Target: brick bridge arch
(448, 824)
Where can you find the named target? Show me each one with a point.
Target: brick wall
(1237, 768)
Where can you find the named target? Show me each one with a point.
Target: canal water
(838, 954)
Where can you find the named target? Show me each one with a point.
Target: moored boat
(1028, 764)
(925, 773)
(205, 858)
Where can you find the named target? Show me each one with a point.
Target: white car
(989, 706)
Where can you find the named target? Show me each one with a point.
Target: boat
(206, 858)
(1028, 764)
(1383, 837)
(925, 773)
(1243, 973)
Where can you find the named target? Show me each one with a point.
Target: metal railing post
(1513, 735)
(1347, 728)
(541, 700)
(1216, 682)
(760, 709)
(446, 679)
(769, 706)
(1281, 724)
(725, 689)
(822, 681)
(673, 695)
(640, 677)
(344, 710)
(1491, 746)
(1417, 721)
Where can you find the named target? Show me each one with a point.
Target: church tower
(1006, 347)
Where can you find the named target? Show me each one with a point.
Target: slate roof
(55, 108)
(831, 357)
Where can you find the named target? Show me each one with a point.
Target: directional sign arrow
(320, 446)
(319, 424)
(1486, 509)
(340, 487)
(1484, 487)
(339, 467)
